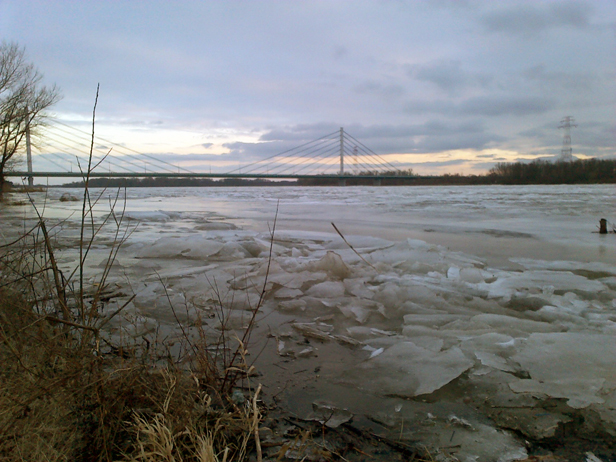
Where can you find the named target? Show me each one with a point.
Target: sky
(439, 86)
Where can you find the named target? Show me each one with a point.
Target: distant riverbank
(583, 171)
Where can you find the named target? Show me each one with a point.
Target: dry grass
(60, 400)
(67, 394)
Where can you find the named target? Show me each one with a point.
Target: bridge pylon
(341, 151)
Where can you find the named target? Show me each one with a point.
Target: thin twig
(351, 247)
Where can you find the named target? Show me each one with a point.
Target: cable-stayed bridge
(64, 151)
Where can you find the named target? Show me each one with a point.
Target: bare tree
(23, 101)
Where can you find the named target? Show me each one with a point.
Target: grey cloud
(308, 132)
(446, 74)
(435, 106)
(300, 132)
(505, 105)
(575, 81)
(432, 136)
(531, 18)
(442, 164)
(482, 166)
(193, 157)
(484, 106)
(379, 89)
(590, 135)
(475, 141)
(207, 145)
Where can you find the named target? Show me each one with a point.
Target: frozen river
(485, 310)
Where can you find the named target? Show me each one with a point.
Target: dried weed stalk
(69, 394)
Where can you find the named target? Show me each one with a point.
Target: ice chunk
(232, 251)
(409, 370)
(453, 272)
(173, 247)
(491, 342)
(332, 264)
(203, 248)
(215, 226)
(580, 392)
(292, 305)
(283, 349)
(471, 275)
(509, 284)
(494, 361)
(306, 352)
(360, 310)
(327, 289)
(499, 321)
(145, 215)
(563, 265)
(288, 293)
(241, 300)
(481, 443)
(536, 423)
(311, 331)
(297, 280)
(267, 244)
(233, 320)
(429, 343)
(431, 320)
(576, 366)
(357, 312)
(376, 352)
(253, 248)
(329, 415)
(590, 457)
(348, 341)
(358, 287)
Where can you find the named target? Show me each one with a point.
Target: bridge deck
(212, 175)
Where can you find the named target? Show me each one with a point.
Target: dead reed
(68, 393)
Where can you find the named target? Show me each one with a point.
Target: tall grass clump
(69, 393)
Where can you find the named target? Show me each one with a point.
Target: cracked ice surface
(530, 302)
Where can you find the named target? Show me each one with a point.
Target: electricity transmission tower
(566, 124)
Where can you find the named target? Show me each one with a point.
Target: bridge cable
(371, 151)
(118, 148)
(85, 156)
(126, 148)
(285, 152)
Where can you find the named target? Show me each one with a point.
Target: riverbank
(420, 343)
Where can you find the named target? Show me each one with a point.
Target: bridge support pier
(376, 182)
(341, 181)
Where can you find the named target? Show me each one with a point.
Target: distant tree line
(543, 172)
(357, 180)
(536, 172)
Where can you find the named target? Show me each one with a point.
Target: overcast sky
(439, 85)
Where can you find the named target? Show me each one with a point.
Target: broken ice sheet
(571, 365)
(311, 330)
(329, 415)
(408, 370)
(332, 264)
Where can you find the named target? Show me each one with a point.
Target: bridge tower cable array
(320, 156)
(69, 145)
(337, 154)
